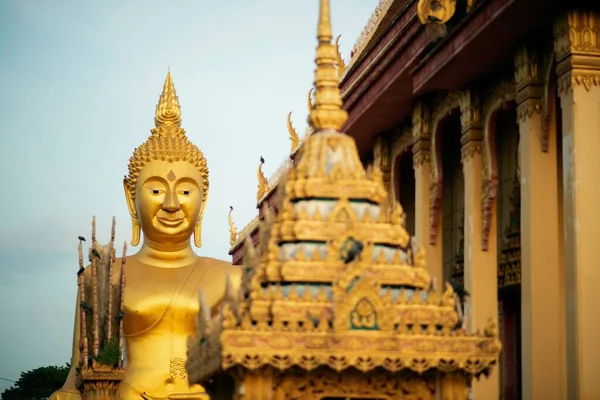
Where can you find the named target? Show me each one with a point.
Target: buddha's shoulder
(216, 267)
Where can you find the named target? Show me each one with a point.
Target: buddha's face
(168, 201)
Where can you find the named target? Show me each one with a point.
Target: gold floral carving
(435, 11)
(470, 110)
(576, 34)
(500, 96)
(421, 121)
(402, 142)
(528, 108)
(323, 384)
(421, 158)
(469, 150)
(577, 50)
(571, 79)
(527, 66)
(382, 159)
(445, 104)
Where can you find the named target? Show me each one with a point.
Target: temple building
(482, 116)
(335, 300)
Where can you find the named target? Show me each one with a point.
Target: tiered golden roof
(336, 280)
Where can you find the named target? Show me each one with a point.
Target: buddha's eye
(156, 191)
(185, 192)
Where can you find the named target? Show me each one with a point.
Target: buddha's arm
(69, 390)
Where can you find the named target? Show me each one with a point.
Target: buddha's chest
(164, 300)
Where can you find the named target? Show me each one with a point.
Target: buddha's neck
(166, 256)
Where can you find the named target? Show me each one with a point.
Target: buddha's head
(167, 185)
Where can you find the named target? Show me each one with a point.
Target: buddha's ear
(135, 224)
(198, 227)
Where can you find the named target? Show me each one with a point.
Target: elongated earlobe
(198, 234)
(135, 224)
(135, 231)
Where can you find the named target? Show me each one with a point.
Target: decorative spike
(293, 293)
(341, 65)
(323, 322)
(387, 297)
(317, 216)
(307, 295)
(300, 255)
(302, 213)
(263, 184)
(396, 259)
(381, 257)
(433, 299)
(309, 101)
(402, 297)
(448, 296)
(420, 258)
(233, 233)
(327, 113)
(416, 298)
(295, 139)
(322, 295)
(367, 217)
(316, 255)
(277, 292)
(168, 111)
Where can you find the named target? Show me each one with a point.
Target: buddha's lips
(168, 221)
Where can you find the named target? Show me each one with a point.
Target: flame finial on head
(168, 111)
(327, 113)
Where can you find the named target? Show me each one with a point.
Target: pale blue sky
(79, 83)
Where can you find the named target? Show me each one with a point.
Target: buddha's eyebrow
(153, 179)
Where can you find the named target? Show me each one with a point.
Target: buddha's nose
(171, 202)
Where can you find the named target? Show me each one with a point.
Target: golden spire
(293, 134)
(327, 113)
(341, 65)
(233, 234)
(168, 111)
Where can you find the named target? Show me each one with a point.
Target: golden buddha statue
(166, 191)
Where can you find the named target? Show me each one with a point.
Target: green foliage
(109, 355)
(38, 384)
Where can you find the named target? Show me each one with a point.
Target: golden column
(481, 267)
(577, 49)
(421, 119)
(542, 320)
